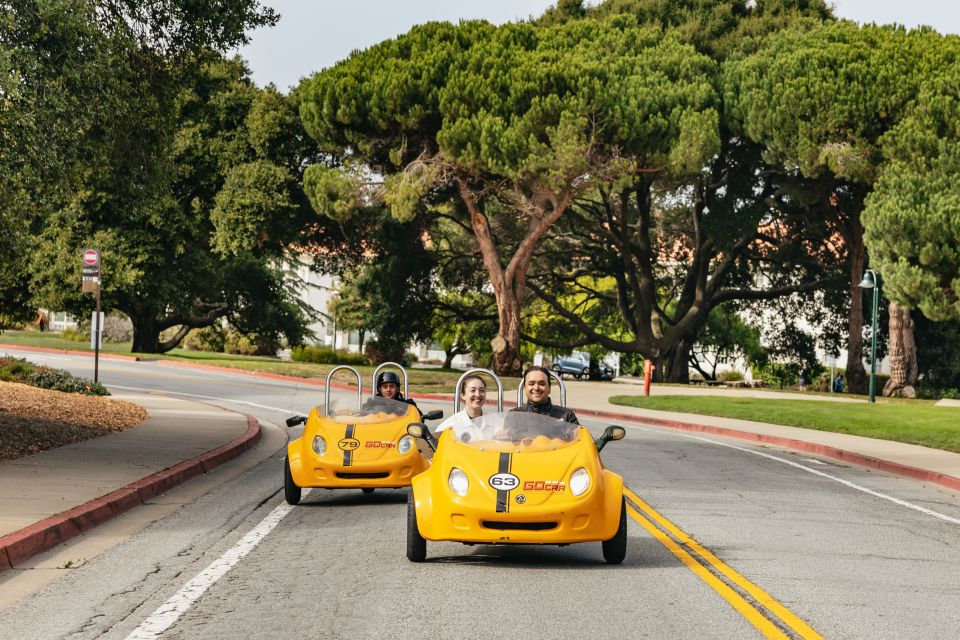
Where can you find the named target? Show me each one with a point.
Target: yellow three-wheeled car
(364, 445)
(517, 477)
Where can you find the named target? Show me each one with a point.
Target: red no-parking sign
(91, 270)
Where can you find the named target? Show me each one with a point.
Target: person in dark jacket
(388, 386)
(536, 389)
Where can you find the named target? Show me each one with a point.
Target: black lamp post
(871, 281)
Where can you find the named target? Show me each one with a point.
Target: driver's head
(388, 385)
(536, 384)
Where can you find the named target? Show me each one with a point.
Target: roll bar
(326, 401)
(469, 372)
(563, 390)
(376, 372)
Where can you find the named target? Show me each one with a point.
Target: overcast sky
(315, 34)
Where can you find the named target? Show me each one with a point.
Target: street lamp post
(871, 281)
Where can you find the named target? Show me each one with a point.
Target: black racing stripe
(503, 497)
(348, 455)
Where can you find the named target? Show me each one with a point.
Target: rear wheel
(367, 490)
(615, 549)
(558, 371)
(416, 544)
(290, 490)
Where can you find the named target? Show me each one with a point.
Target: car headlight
(579, 481)
(458, 482)
(319, 445)
(405, 444)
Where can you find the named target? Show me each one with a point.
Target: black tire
(290, 490)
(615, 549)
(416, 544)
(367, 490)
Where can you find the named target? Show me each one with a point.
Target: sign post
(91, 284)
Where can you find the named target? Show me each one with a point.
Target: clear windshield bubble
(375, 409)
(516, 431)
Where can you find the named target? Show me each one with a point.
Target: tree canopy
(516, 119)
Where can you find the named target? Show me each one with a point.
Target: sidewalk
(52, 496)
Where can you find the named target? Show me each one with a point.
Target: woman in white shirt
(473, 393)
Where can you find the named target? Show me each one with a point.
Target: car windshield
(376, 409)
(516, 431)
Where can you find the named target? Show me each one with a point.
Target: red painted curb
(44, 535)
(69, 352)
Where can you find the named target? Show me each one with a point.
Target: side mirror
(613, 432)
(436, 414)
(295, 420)
(416, 429)
(420, 430)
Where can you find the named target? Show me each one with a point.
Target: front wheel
(416, 544)
(615, 549)
(290, 490)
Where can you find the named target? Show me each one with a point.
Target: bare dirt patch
(33, 419)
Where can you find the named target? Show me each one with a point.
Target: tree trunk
(506, 346)
(678, 362)
(903, 354)
(855, 374)
(146, 336)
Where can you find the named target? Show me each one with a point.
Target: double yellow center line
(770, 617)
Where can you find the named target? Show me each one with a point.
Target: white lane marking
(815, 461)
(168, 613)
(852, 485)
(194, 395)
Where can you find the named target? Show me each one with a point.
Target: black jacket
(547, 408)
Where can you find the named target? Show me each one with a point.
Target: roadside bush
(377, 351)
(77, 335)
(16, 370)
(210, 339)
(117, 328)
(730, 376)
(326, 355)
(779, 373)
(410, 357)
(60, 380)
(249, 344)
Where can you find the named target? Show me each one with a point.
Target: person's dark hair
(463, 386)
(535, 367)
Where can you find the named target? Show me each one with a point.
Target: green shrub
(207, 339)
(326, 355)
(249, 344)
(16, 369)
(730, 376)
(60, 380)
(77, 335)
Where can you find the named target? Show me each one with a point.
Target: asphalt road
(728, 541)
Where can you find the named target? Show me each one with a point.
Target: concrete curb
(44, 535)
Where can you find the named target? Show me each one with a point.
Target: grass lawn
(913, 422)
(433, 380)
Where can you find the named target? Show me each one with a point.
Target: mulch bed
(33, 420)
